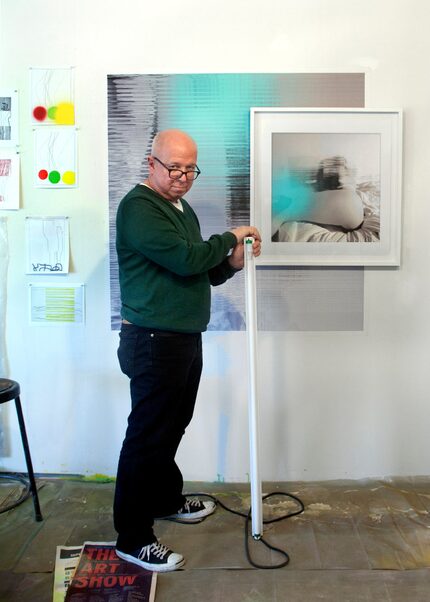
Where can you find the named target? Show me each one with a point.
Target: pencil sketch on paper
(9, 180)
(5, 117)
(8, 118)
(55, 157)
(52, 96)
(47, 245)
(56, 304)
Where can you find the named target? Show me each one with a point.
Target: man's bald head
(171, 149)
(168, 141)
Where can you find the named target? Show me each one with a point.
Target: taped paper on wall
(47, 245)
(56, 304)
(8, 118)
(4, 261)
(52, 96)
(55, 153)
(9, 179)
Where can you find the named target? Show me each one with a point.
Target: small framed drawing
(326, 185)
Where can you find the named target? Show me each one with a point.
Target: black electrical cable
(247, 518)
(24, 494)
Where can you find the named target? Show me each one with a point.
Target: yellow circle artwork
(69, 178)
(65, 113)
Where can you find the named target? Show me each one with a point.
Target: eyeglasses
(176, 174)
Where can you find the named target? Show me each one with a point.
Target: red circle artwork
(39, 113)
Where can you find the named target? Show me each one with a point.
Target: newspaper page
(66, 561)
(100, 575)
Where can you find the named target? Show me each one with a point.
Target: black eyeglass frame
(196, 172)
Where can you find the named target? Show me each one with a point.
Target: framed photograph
(8, 118)
(326, 185)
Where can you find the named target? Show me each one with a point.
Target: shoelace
(156, 548)
(190, 503)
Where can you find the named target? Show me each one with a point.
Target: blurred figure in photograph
(329, 198)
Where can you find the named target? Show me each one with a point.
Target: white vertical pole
(251, 331)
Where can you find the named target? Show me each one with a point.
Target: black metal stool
(9, 389)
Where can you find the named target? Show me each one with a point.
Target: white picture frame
(326, 185)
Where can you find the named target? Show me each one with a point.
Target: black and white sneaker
(154, 557)
(193, 511)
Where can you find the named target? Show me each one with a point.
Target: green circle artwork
(54, 177)
(52, 112)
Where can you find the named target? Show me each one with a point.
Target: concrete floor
(356, 541)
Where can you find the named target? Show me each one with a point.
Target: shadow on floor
(356, 541)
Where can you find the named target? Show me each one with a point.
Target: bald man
(166, 270)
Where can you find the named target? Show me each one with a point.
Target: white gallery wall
(333, 404)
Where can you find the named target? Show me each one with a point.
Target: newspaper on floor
(66, 561)
(97, 572)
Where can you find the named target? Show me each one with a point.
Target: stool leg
(33, 487)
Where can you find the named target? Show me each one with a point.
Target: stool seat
(9, 390)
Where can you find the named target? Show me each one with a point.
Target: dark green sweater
(165, 267)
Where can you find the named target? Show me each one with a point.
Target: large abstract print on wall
(215, 110)
(326, 185)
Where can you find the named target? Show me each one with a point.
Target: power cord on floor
(25, 493)
(247, 518)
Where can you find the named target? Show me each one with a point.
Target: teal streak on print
(291, 197)
(215, 107)
(215, 110)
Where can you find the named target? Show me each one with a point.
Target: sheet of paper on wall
(56, 304)
(9, 179)
(52, 96)
(8, 118)
(47, 240)
(55, 157)
(4, 264)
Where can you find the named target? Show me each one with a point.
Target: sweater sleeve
(222, 272)
(151, 231)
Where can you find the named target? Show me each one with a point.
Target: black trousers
(164, 370)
